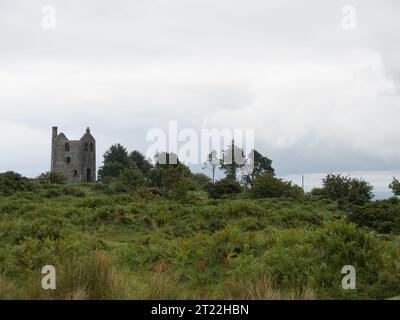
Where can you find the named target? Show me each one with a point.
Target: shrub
(202, 180)
(11, 182)
(339, 244)
(318, 192)
(148, 193)
(223, 188)
(268, 186)
(131, 178)
(70, 191)
(381, 216)
(52, 178)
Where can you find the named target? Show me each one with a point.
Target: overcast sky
(320, 96)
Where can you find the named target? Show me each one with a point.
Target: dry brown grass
(91, 278)
(7, 288)
(262, 289)
(162, 286)
(94, 278)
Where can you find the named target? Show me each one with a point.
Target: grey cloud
(319, 97)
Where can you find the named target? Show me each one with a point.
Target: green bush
(11, 182)
(224, 188)
(268, 186)
(52, 178)
(318, 192)
(71, 191)
(202, 180)
(131, 178)
(228, 248)
(381, 216)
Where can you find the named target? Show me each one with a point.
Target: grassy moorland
(158, 231)
(140, 244)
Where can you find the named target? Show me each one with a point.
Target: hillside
(140, 245)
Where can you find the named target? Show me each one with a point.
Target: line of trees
(254, 172)
(123, 171)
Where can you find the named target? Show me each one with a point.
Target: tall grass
(262, 289)
(89, 278)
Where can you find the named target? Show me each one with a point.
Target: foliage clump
(269, 186)
(11, 182)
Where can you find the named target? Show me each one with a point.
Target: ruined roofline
(87, 134)
(61, 135)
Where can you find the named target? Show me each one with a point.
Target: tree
(117, 153)
(360, 191)
(233, 160)
(131, 177)
(212, 163)
(170, 175)
(258, 164)
(115, 160)
(336, 186)
(140, 161)
(395, 186)
(347, 189)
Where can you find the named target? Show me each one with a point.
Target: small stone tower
(76, 159)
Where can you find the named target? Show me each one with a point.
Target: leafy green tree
(117, 153)
(395, 186)
(232, 161)
(347, 189)
(131, 177)
(360, 191)
(170, 175)
(116, 159)
(257, 165)
(336, 186)
(140, 161)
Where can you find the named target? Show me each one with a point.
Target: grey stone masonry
(76, 159)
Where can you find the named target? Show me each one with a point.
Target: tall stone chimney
(54, 135)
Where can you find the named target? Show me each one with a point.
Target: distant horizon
(380, 180)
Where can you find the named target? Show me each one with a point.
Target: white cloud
(320, 98)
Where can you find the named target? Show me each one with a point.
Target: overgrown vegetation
(160, 232)
(140, 244)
